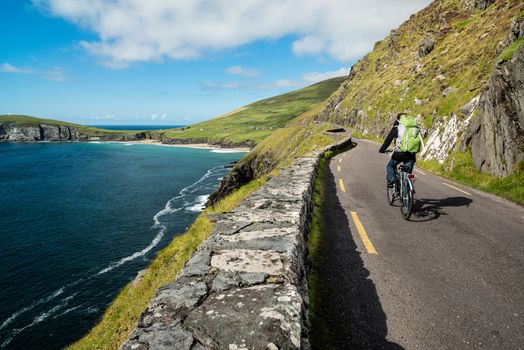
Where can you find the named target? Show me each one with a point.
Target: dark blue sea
(79, 220)
(137, 127)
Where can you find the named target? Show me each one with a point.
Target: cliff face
(9, 131)
(496, 135)
(450, 64)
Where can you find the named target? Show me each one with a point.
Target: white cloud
(141, 31)
(242, 71)
(156, 116)
(102, 117)
(208, 84)
(308, 78)
(315, 77)
(55, 74)
(9, 68)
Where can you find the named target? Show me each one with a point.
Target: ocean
(137, 127)
(79, 220)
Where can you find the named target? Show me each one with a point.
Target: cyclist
(398, 156)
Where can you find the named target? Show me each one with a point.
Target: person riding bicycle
(407, 144)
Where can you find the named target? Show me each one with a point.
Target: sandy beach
(192, 145)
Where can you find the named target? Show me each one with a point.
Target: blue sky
(176, 62)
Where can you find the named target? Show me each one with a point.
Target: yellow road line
(341, 183)
(418, 171)
(363, 235)
(338, 168)
(458, 189)
(340, 160)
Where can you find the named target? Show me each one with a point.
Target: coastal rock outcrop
(10, 131)
(496, 135)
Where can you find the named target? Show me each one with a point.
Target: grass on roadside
(320, 337)
(459, 167)
(121, 316)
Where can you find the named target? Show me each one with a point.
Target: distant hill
(251, 124)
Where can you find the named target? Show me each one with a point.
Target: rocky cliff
(10, 131)
(457, 65)
(14, 132)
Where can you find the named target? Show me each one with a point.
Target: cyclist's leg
(391, 170)
(409, 164)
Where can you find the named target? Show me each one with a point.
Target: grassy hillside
(25, 120)
(251, 124)
(393, 77)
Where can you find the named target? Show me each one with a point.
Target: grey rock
(161, 339)
(198, 346)
(74, 134)
(64, 133)
(254, 317)
(199, 263)
(496, 136)
(448, 90)
(472, 5)
(9, 131)
(49, 132)
(426, 45)
(469, 107)
(182, 293)
(516, 31)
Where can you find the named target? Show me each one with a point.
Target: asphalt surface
(450, 278)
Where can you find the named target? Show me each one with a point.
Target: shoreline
(190, 145)
(208, 146)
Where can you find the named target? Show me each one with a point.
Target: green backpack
(409, 134)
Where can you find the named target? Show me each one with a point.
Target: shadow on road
(431, 209)
(353, 312)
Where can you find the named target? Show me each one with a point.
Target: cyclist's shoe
(391, 184)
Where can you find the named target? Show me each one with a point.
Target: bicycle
(404, 190)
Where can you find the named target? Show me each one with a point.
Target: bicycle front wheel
(406, 207)
(391, 194)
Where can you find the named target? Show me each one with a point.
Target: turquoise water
(79, 220)
(137, 127)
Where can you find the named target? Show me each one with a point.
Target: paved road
(451, 278)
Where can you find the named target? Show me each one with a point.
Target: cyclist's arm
(391, 136)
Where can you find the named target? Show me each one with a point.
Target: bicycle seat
(404, 168)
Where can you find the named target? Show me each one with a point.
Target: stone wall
(245, 286)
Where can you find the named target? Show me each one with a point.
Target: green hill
(251, 124)
(401, 75)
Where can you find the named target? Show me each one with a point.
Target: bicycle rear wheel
(406, 207)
